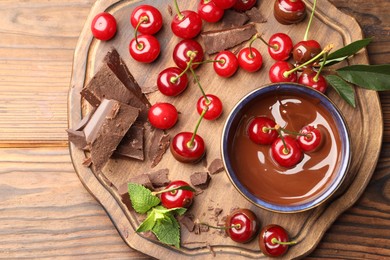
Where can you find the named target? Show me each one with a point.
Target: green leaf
(344, 89)
(148, 223)
(347, 51)
(142, 198)
(168, 233)
(164, 210)
(373, 77)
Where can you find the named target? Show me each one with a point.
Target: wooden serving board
(365, 124)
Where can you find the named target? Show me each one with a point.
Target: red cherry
(163, 115)
(280, 46)
(224, 4)
(214, 105)
(182, 149)
(177, 198)
(289, 11)
(244, 5)
(276, 72)
(103, 26)
(226, 64)
(250, 59)
(308, 78)
(242, 225)
(209, 12)
(172, 81)
(182, 50)
(274, 240)
(187, 25)
(305, 50)
(259, 132)
(152, 19)
(146, 50)
(289, 155)
(311, 138)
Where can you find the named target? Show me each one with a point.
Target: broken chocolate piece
(159, 143)
(233, 19)
(144, 180)
(123, 191)
(255, 16)
(87, 162)
(80, 126)
(187, 221)
(132, 144)
(77, 138)
(200, 179)
(106, 128)
(219, 40)
(216, 166)
(159, 178)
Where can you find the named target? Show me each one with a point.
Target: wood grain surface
(45, 212)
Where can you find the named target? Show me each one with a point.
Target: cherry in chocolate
(286, 151)
(310, 138)
(260, 130)
(289, 11)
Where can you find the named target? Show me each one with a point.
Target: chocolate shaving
(200, 179)
(255, 16)
(219, 40)
(216, 166)
(159, 143)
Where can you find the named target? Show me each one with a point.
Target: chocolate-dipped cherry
(184, 50)
(274, 240)
(186, 24)
(249, 58)
(282, 71)
(261, 130)
(163, 115)
(242, 225)
(313, 79)
(286, 151)
(189, 147)
(309, 138)
(149, 17)
(172, 81)
(289, 11)
(214, 105)
(226, 64)
(171, 197)
(144, 48)
(224, 4)
(103, 26)
(244, 5)
(209, 11)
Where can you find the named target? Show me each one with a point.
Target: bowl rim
(340, 124)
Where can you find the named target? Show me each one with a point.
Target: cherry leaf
(346, 51)
(343, 88)
(373, 77)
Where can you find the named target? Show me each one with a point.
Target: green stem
(190, 143)
(200, 86)
(192, 55)
(276, 241)
(278, 129)
(254, 37)
(206, 61)
(325, 50)
(179, 14)
(309, 23)
(321, 68)
(236, 226)
(154, 193)
(141, 20)
(275, 46)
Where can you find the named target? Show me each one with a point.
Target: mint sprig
(141, 198)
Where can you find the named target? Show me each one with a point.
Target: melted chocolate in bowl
(254, 172)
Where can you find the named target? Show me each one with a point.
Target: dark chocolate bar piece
(219, 40)
(106, 128)
(77, 138)
(159, 178)
(233, 19)
(255, 15)
(157, 145)
(132, 144)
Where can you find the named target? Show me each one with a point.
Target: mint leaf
(344, 89)
(142, 198)
(148, 223)
(346, 51)
(164, 210)
(168, 230)
(373, 77)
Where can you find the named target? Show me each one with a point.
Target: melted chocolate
(275, 184)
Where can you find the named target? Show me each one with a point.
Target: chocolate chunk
(80, 126)
(119, 68)
(219, 40)
(233, 19)
(159, 178)
(144, 180)
(158, 145)
(187, 222)
(106, 128)
(123, 191)
(77, 138)
(87, 161)
(200, 179)
(255, 16)
(216, 166)
(132, 144)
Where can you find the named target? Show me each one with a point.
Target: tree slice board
(365, 124)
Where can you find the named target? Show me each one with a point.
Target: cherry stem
(278, 129)
(236, 226)
(154, 193)
(200, 86)
(282, 129)
(325, 50)
(190, 144)
(254, 37)
(275, 46)
(322, 66)
(206, 61)
(141, 20)
(192, 55)
(179, 14)
(309, 23)
(276, 241)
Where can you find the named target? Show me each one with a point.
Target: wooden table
(45, 212)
